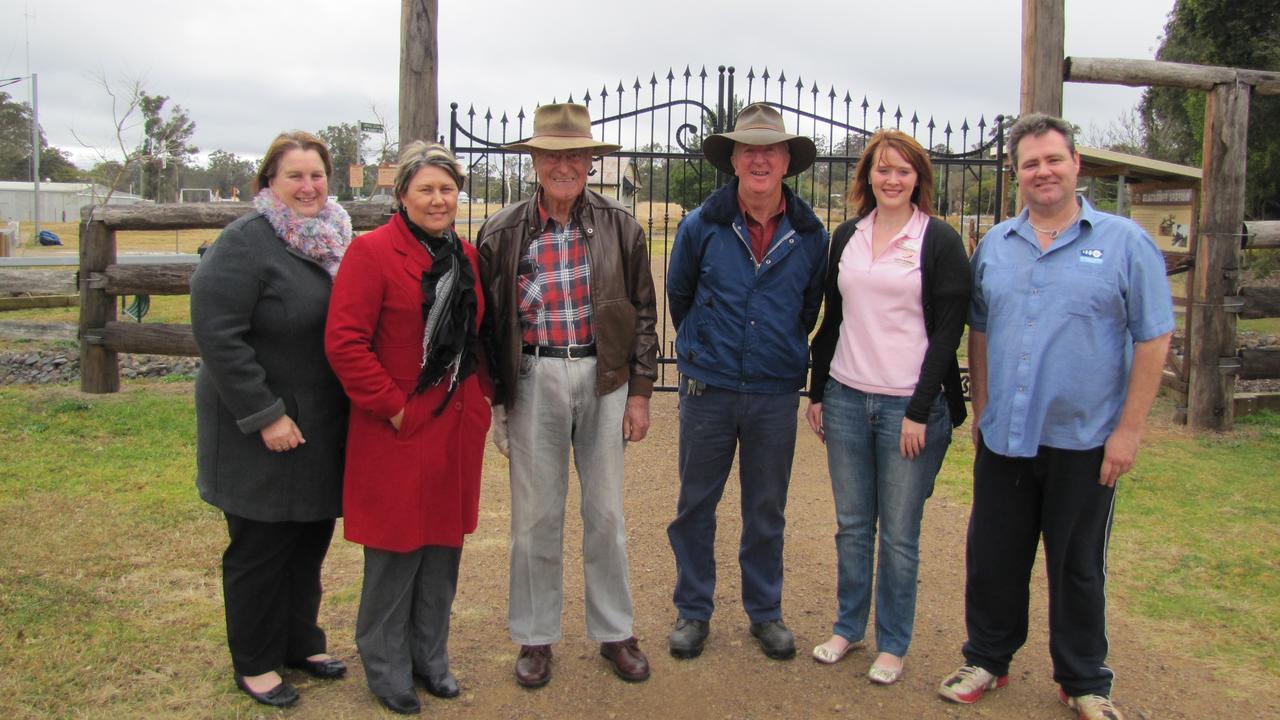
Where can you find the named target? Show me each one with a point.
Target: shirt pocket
(1088, 294)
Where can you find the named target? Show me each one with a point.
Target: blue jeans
(872, 481)
(761, 428)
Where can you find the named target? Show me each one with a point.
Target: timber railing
(102, 278)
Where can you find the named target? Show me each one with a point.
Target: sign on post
(355, 176)
(1167, 211)
(386, 176)
(371, 127)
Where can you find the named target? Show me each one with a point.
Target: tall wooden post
(1211, 387)
(99, 366)
(1043, 42)
(419, 71)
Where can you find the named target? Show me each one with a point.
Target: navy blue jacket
(740, 325)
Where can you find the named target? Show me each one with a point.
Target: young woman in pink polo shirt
(885, 388)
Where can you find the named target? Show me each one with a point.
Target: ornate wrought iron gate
(660, 173)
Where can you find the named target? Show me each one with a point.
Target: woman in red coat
(402, 337)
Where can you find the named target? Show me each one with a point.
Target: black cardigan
(946, 284)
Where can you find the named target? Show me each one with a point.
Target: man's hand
(814, 415)
(635, 421)
(498, 430)
(1118, 456)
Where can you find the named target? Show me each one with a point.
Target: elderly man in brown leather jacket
(572, 303)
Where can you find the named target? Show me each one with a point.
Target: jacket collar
(722, 208)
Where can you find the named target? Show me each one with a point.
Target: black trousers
(1015, 501)
(271, 588)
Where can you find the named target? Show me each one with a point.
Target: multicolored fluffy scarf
(323, 238)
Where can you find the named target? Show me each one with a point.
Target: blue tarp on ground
(48, 237)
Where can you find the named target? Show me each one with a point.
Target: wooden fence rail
(102, 337)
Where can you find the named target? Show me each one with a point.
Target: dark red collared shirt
(554, 285)
(762, 232)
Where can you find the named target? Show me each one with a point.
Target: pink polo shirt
(882, 338)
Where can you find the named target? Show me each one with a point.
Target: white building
(59, 202)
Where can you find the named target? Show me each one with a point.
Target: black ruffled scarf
(450, 344)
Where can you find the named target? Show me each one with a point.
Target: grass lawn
(109, 586)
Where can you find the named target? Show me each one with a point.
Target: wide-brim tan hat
(759, 124)
(563, 126)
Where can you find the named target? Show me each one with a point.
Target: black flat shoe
(282, 695)
(405, 703)
(328, 669)
(442, 686)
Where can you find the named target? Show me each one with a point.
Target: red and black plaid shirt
(554, 286)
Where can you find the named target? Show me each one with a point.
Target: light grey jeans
(557, 410)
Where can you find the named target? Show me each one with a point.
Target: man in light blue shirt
(1069, 327)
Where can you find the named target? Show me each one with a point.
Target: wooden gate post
(1043, 38)
(1211, 388)
(419, 68)
(99, 367)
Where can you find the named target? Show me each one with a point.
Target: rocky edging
(63, 366)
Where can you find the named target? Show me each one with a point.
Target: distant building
(59, 202)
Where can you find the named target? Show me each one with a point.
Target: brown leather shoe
(533, 665)
(628, 662)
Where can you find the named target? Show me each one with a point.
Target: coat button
(457, 405)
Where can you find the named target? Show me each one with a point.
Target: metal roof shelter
(1126, 168)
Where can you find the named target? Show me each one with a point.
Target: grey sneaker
(967, 684)
(775, 639)
(1091, 707)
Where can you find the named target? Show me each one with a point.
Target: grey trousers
(402, 628)
(558, 411)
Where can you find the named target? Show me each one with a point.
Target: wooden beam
(30, 330)
(1259, 363)
(1043, 36)
(150, 338)
(419, 67)
(1260, 302)
(99, 365)
(37, 282)
(150, 279)
(1249, 403)
(191, 216)
(1217, 263)
(1261, 234)
(31, 302)
(1157, 73)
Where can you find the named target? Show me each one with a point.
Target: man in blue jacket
(744, 287)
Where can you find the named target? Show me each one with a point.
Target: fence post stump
(99, 367)
(1211, 329)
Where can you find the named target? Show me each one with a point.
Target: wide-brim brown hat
(563, 126)
(759, 124)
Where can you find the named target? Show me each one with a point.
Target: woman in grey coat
(271, 416)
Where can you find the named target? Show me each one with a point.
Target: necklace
(1053, 234)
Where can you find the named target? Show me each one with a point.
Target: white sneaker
(967, 684)
(1091, 707)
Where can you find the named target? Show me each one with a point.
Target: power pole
(419, 71)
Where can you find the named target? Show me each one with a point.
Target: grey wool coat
(258, 311)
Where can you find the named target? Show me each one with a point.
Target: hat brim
(718, 149)
(564, 143)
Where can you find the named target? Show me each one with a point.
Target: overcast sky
(247, 70)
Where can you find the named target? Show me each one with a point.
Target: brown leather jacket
(624, 310)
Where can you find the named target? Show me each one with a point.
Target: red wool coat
(420, 486)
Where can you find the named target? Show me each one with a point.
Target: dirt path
(1157, 677)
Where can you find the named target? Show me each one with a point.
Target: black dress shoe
(688, 637)
(776, 640)
(405, 703)
(444, 685)
(282, 695)
(328, 669)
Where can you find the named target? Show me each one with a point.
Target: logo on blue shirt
(1091, 255)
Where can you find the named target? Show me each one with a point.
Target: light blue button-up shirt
(1060, 328)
